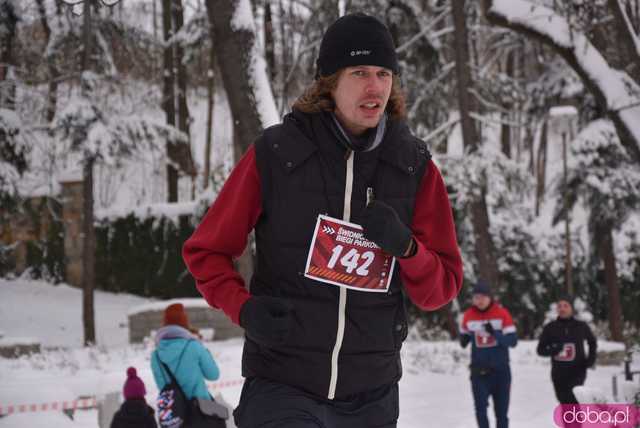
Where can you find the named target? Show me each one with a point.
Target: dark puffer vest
(303, 170)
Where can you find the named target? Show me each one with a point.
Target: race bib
(568, 353)
(340, 255)
(485, 340)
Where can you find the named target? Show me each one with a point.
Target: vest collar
(305, 132)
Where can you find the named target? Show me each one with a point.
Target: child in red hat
(134, 412)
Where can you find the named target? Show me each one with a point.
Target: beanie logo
(360, 52)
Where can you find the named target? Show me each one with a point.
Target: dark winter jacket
(293, 173)
(134, 413)
(563, 341)
(489, 350)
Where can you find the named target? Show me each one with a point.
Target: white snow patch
(243, 16)
(52, 314)
(18, 341)
(563, 111)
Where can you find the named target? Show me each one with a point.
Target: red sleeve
(464, 328)
(222, 237)
(507, 322)
(433, 276)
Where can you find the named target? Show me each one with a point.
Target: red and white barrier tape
(82, 403)
(227, 383)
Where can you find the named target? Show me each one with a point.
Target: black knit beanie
(356, 39)
(482, 287)
(566, 297)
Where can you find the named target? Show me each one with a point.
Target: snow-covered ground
(434, 391)
(53, 314)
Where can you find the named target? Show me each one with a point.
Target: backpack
(176, 411)
(172, 403)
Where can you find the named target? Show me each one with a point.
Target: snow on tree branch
(13, 146)
(615, 91)
(265, 102)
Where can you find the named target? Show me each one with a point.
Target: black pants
(563, 383)
(268, 404)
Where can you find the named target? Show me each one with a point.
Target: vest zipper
(342, 302)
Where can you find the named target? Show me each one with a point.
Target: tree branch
(610, 87)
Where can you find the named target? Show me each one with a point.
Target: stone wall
(30, 223)
(72, 200)
(143, 323)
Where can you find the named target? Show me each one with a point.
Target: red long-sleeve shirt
(432, 277)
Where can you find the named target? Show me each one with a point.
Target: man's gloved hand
(382, 225)
(489, 328)
(464, 340)
(267, 319)
(555, 348)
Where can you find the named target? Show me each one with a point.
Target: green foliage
(45, 257)
(143, 256)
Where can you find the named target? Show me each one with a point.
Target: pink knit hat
(133, 387)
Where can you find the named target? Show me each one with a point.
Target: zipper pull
(370, 195)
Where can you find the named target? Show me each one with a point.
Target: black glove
(382, 225)
(464, 340)
(489, 328)
(555, 348)
(266, 319)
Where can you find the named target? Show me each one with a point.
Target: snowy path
(434, 392)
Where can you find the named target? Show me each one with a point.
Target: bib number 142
(352, 260)
(339, 254)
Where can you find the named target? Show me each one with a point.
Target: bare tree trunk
(269, 43)
(285, 51)
(237, 43)
(9, 19)
(541, 165)
(505, 129)
(52, 95)
(183, 109)
(88, 256)
(155, 19)
(604, 241)
(168, 98)
(88, 242)
(236, 74)
(529, 141)
(452, 326)
(484, 248)
(211, 88)
(568, 265)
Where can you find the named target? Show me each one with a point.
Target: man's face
(481, 301)
(361, 96)
(564, 309)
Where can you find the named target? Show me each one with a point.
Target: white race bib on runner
(340, 255)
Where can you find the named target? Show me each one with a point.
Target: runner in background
(563, 341)
(489, 327)
(348, 210)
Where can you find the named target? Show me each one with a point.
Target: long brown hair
(317, 97)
